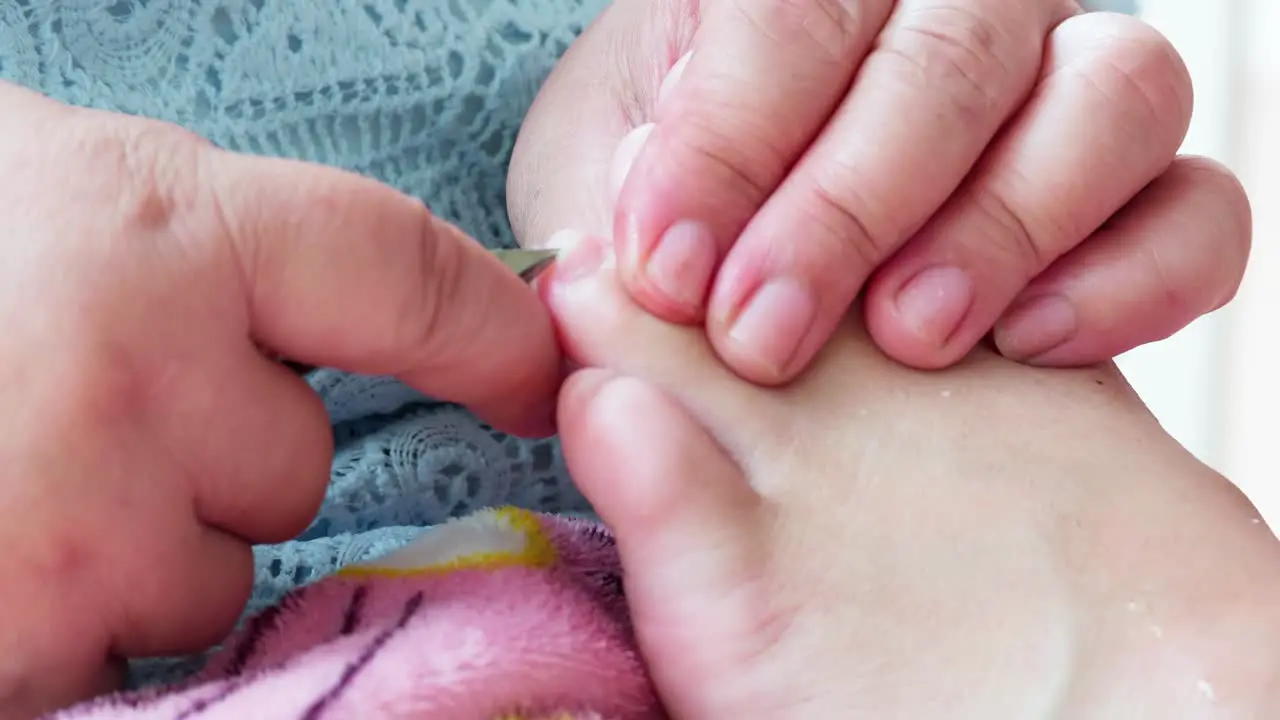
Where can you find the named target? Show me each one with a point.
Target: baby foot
(993, 541)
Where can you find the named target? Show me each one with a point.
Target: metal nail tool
(528, 264)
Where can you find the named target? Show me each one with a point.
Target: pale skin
(148, 441)
(989, 541)
(800, 153)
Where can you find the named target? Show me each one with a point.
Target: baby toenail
(580, 256)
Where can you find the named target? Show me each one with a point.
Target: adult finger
(200, 582)
(345, 272)
(1106, 119)
(944, 77)
(271, 487)
(762, 80)
(1176, 252)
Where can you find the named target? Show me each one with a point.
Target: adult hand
(990, 541)
(146, 440)
(969, 164)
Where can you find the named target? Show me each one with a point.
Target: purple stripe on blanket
(503, 615)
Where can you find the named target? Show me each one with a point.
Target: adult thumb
(345, 272)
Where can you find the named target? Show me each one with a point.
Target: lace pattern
(425, 95)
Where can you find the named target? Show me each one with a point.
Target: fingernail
(1036, 327)
(673, 77)
(580, 256)
(682, 263)
(774, 322)
(934, 302)
(625, 156)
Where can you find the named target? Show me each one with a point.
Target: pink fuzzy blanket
(503, 615)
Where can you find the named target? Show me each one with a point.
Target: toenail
(580, 256)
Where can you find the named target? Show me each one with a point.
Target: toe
(601, 327)
(685, 517)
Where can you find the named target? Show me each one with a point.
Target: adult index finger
(762, 80)
(345, 272)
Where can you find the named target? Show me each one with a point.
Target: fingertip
(1080, 353)
(1040, 330)
(1175, 252)
(750, 362)
(655, 301)
(523, 403)
(673, 221)
(1056, 331)
(900, 338)
(766, 329)
(672, 279)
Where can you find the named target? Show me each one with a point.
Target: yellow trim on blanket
(505, 525)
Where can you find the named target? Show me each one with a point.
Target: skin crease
(148, 441)
(1050, 552)
(1030, 147)
(135, 326)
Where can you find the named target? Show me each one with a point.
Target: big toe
(601, 327)
(685, 520)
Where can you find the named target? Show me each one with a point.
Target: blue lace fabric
(425, 95)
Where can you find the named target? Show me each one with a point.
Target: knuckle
(1011, 234)
(847, 224)
(830, 27)
(741, 159)
(419, 324)
(959, 50)
(141, 168)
